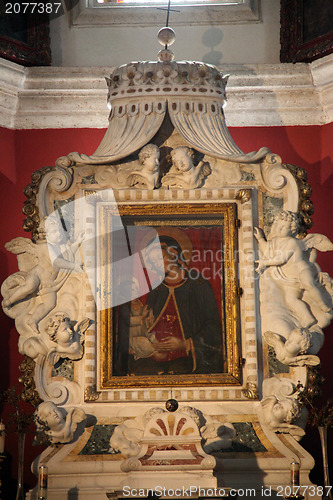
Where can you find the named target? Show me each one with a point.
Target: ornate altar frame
(238, 429)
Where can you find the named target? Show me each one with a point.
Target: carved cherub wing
(274, 340)
(78, 415)
(294, 430)
(81, 328)
(307, 360)
(53, 357)
(317, 241)
(205, 170)
(26, 251)
(134, 179)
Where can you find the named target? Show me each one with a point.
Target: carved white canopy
(140, 95)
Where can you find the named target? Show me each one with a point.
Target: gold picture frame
(211, 357)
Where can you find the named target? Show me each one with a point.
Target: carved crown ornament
(171, 78)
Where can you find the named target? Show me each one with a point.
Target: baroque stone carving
(140, 94)
(128, 437)
(31, 294)
(301, 292)
(292, 351)
(57, 424)
(148, 173)
(280, 410)
(183, 173)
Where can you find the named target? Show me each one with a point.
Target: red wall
(24, 151)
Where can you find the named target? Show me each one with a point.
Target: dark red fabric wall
(24, 151)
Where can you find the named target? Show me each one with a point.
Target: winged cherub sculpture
(44, 267)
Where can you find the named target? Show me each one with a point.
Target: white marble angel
(280, 415)
(57, 427)
(217, 436)
(292, 261)
(44, 268)
(67, 341)
(292, 351)
(147, 175)
(183, 173)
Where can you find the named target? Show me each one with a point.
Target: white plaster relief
(280, 409)
(56, 424)
(159, 430)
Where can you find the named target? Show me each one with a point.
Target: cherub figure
(44, 268)
(125, 438)
(292, 351)
(147, 175)
(59, 429)
(293, 267)
(183, 173)
(217, 436)
(279, 414)
(68, 341)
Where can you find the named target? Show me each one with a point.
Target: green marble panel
(99, 441)
(246, 439)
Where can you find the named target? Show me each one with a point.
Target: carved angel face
(292, 345)
(182, 160)
(54, 231)
(64, 335)
(50, 413)
(283, 228)
(151, 162)
(279, 412)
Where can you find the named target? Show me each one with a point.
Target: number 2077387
(32, 7)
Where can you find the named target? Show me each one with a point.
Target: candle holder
(42, 482)
(294, 481)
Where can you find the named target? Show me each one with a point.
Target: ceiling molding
(258, 95)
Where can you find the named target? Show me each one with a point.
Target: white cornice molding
(322, 73)
(258, 95)
(12, 78)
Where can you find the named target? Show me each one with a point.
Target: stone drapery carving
(193, 93)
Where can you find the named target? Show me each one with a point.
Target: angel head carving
(60, 330)
(291, 351)
(149, 157)
(183, 173)
(68, 341)
(183, 158)
(286, 223)
(147, 174)
(57, 425)
(280, 414)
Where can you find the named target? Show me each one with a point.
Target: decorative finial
(166, 36)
